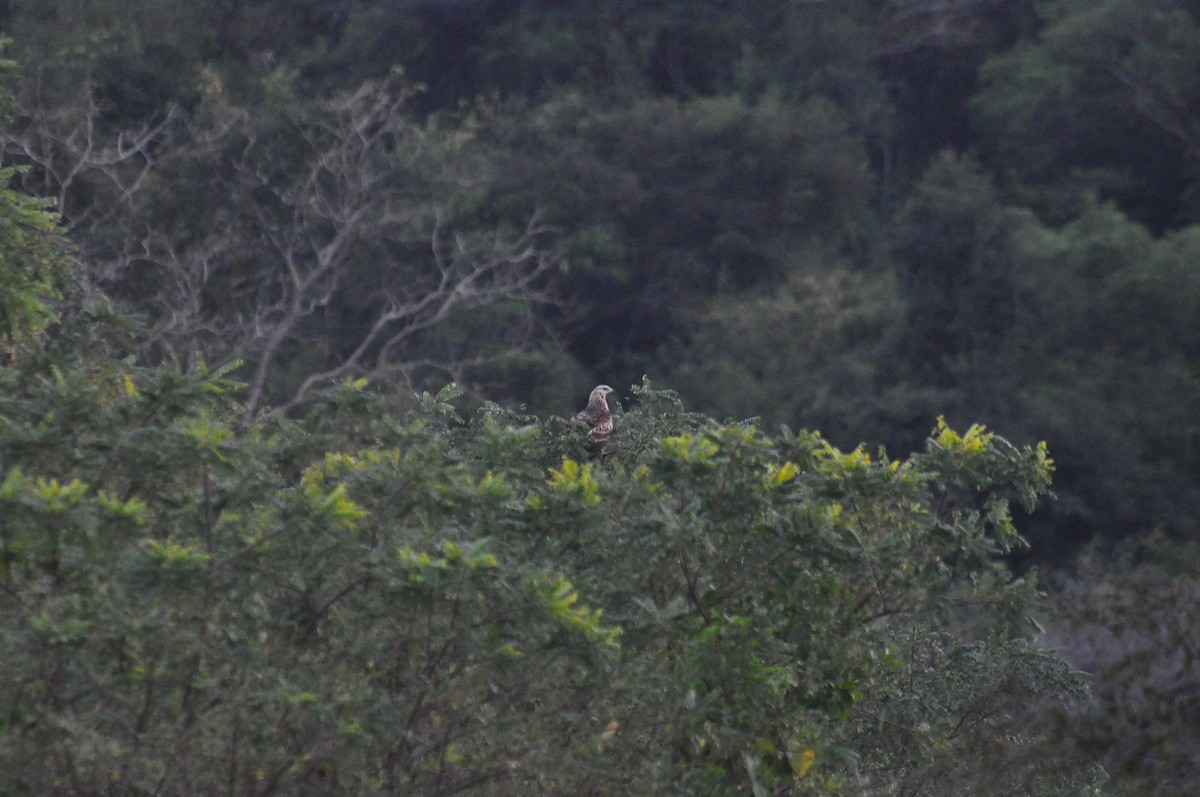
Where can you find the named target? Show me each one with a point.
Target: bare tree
(909, 25)
(1154, 68)
(317, 245)
(366, 191)
(104, 181)
(92, 174)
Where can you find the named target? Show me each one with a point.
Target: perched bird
(597, 416)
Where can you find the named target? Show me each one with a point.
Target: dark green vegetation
(364, 601)
(853, 216)
(240, 550)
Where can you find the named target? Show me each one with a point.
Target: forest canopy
(245, 245)
(999, 196)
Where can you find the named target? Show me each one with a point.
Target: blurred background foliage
(856, 217)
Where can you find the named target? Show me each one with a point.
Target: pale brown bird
(597, 416)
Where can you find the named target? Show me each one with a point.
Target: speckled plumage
(598, 417)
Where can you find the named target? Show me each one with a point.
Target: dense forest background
(856, 217)
(853, 217)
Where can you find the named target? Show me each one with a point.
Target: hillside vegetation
(297, 296)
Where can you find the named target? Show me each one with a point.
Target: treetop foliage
(361, 599)
(418, 605)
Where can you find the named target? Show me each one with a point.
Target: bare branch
(317, 245)
(347, 221)
(909, 25)
(1158, 103)
(65, 146)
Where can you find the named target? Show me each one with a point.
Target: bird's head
(599, 393)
